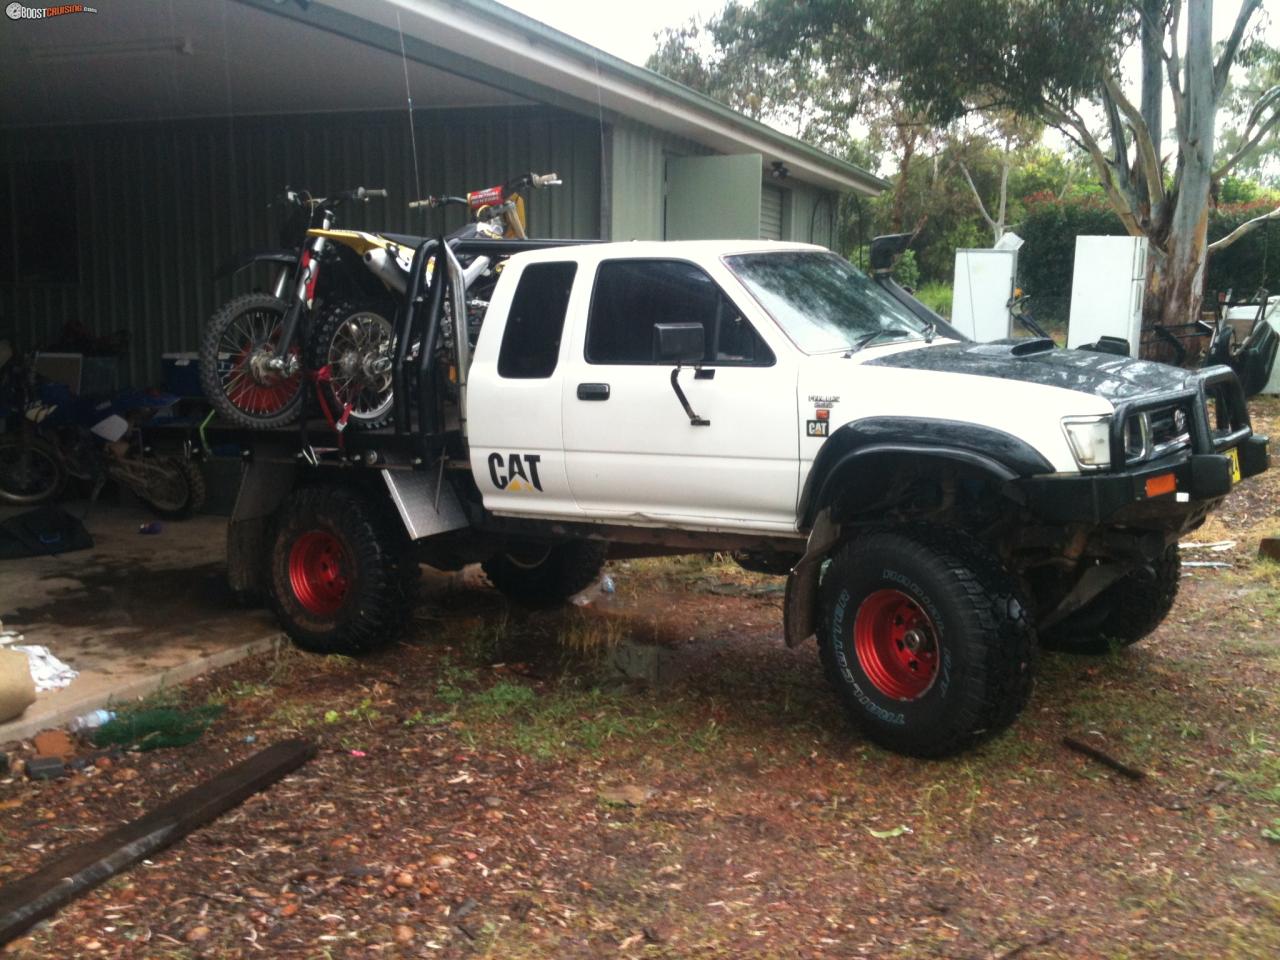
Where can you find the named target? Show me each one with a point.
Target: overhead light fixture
(780, 170)
(147, 46)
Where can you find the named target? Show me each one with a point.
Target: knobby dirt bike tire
(277, 405)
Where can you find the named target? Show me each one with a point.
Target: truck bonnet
(1101, 374)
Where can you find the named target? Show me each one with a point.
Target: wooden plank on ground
(70, 874)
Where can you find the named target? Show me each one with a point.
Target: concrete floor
(132, 614)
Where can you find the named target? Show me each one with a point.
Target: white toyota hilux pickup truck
(939, 507)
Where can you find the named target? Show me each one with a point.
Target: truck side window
(632, 295)
(531, 341)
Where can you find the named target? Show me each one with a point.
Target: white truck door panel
(635, 454)
(514, 405)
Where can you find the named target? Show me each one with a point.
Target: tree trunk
(1176, 285)
(1152, 82)
(900, 188)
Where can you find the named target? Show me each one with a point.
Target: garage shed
(141, 145)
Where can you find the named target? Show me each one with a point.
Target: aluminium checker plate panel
(424, 513)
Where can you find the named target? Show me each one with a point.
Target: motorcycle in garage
(53, 435)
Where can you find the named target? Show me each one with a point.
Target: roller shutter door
(771, 212)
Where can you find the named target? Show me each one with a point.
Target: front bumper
(1101, 497)
(1160, 491)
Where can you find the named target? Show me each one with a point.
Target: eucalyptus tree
(1057, 62)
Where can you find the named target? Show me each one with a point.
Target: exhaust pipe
(473, 270)
(385, 267)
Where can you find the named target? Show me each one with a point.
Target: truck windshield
(822, 302)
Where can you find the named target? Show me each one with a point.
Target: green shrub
(907, 271)
(1050, 229)
(1251, 262)
(1051, 226)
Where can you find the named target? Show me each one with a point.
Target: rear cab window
(535, 323)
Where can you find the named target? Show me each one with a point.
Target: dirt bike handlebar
(536, 180)
(433, 202)
(545, 180)
(302, 198)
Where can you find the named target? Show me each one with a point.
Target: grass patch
(935, 296)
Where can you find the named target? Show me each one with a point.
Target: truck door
(632, 451)
(513, 398)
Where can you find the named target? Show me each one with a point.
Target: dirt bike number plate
(487, 197)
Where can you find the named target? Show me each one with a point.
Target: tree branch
(1232, 46)
(1247, 227)
(1119, 143)
(982, 207)
(1122, 199)
(1071, 175)
(1147, 155)
(1248, 146)
(1173, 67)
(1004, 197)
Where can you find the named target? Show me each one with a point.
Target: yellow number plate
(1235, 464)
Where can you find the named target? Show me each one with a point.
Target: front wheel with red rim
(341, 570)
(237, 353)
(896, 644)
(926, 640)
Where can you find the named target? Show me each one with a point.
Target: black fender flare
(250, 257)
(990, 450)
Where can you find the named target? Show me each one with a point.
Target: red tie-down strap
(322, 376)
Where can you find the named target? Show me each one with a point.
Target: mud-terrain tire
(926, 640)
(372, 402)
(1124, 613)
(184, 501)
(546, 576)
(341, 571)
(241, 327)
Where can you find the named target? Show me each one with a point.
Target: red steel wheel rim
(896, 644)
(258, 398)
(318, 567)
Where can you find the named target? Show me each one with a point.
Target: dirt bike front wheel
(356, 343)
(235, 371)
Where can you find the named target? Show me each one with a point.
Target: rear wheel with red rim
(342, 570)
(926, 640)
(319, 571)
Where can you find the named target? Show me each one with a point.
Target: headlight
(1090, 439)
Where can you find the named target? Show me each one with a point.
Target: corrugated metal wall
(161, 206)
(637, 178)
(772, 202)
(812, 217)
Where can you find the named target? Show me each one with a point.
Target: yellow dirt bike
(352, 343)
(325, 319)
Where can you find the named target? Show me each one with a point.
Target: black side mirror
(679, 343)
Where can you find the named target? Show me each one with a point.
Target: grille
(1153, 434)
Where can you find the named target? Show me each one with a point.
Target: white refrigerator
(1107, 289)
(984, 283)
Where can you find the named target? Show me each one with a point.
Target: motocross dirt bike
(496, 213)
(54, 434)
(258, 349)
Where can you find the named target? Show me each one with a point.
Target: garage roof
(200, 58)
(529, 51)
